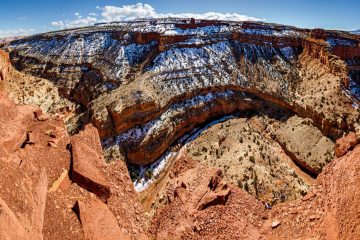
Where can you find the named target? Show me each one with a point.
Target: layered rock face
(39, 201)
(4, 66)
(146, 83)
(56, 186)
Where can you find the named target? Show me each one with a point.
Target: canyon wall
(139, 82)
(4, 65)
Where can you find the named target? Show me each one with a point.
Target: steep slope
(203, 206)
(54, 186)
(138, 82)
(39, 193)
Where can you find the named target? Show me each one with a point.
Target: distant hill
(356, 31)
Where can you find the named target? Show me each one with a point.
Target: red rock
(98, 222)
(218, 194)
(10, 227)
(124, 201)
(4, 65)
(88, 163)
(345, 144)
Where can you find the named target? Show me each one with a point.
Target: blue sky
(30, 16)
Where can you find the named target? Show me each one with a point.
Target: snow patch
(272, 32)
(341, 42)
(288, 52)
(142, 183)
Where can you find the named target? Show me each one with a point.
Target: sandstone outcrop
(4, 65)
(37, 197)
(88, 163)
(305, 144)
(345, 144)
(246, 113)
(31, 159)
(98, 221)
(325, 212)
(184, 218)
(250, 159)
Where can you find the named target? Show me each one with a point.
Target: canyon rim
(173, 127)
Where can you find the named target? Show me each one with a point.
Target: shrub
(149, 174)
(238, 183)
(246, 186)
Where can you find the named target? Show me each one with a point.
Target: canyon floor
(180, 129)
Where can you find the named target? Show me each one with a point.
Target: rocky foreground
(230, 130)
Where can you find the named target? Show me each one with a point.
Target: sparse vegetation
(149, 174)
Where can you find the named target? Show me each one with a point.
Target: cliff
(4, 65)
(227, 131)
(138, 82)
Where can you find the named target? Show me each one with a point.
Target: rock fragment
(98, 222)
(345, 144)
(88, 163)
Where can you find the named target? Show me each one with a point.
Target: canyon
(180, 129)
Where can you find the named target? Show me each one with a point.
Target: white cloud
(16, 32)
(140, 10)
(130, 12)
(212, 15)
(81, 22)
(78, 15)
(58, 24)
(22, 18)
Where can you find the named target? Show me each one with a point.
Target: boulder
(4, 65)
(10, 227)
(345, 144)
(88, 163)
(98, 222)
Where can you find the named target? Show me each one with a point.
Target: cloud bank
(130, 12)
(16, 32)
(139, 10)
(124, 13)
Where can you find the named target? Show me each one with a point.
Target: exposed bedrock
(4, 65)
(146, 142)
(146, 84)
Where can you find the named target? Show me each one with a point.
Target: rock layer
(4, 65)
(128, 76)
(88, 163)
(345, 144)
(198, 203)
(329, 211)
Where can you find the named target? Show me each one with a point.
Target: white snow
(353, 93)
(137, 134)
(354, 88)
(114, 56)
(272, 32)
(159, 165)
(288, 52)
(342, 42)
(200, 31)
